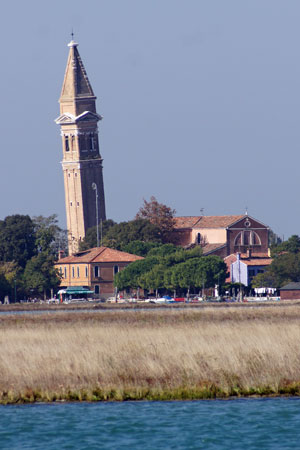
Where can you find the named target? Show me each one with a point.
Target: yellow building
(94, 269)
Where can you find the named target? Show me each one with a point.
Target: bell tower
(82, 162)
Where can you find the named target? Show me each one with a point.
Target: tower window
(86, 271)
(65, 274)
(70, 203)
(67, 146)
(91, 142)
(116, 269)
(73, 272)
(77, 203)
(78, 272)
(75, 174)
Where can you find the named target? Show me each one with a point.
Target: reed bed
(161, 354)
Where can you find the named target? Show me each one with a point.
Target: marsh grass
(155, 355)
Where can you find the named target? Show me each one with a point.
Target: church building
(82, 162)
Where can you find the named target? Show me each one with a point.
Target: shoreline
(143, 394)
(94, 306)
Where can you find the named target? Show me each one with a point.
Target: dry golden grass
(150, 354)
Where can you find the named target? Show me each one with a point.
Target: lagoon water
(216, 424)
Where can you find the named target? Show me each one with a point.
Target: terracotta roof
(208, 248)
(99, 254)
(186, 221)
(206, 221)
(257, 261)
(218, 221)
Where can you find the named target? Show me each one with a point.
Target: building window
(69, 174)
(198, 238)
(97, 271)
(75, 174)
(70, 203)
(60, 271)
(86, 271)
(65, 274)
(73, 142)
(97, 289)
(78, 272)
(67, 146)
(77, 203)
(247, 237)
(116, 269)
(73, 272)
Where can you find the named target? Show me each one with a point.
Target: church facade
(82, 161)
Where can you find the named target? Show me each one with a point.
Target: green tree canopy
(129, 277)
(140, 248)
(284, 269)
(292, 245)
(40, 275)
(90, 239)
(136, 230)
(17, 239)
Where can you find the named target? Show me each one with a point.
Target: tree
(159, 215)
(284, 269)
(123, 233)
(292, 245)
(153, 279)
(40, 275)
(17, 239)
(90, 239)
(49, 236)
(140, 248)
(164, 250)
(130, 276)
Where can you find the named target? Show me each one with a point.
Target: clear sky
(200, 100)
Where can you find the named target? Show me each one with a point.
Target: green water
(230, 424)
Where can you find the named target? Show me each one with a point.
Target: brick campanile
(82, 162)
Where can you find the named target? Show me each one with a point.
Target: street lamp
(95, 188)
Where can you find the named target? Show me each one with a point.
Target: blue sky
(200, 101)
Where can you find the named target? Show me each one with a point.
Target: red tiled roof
(218, 221)
(208, 248)
(186, 221)
(257, 261)
(99, 254)
(206, 221)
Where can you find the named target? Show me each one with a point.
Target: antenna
(246, 211)
(72, 34)
(202, 211)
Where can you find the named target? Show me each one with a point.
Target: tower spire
(82, 162)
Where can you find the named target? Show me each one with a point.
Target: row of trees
(28, 250)
(168, 268)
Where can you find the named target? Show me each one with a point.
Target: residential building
(242, 268)
(94, 269)
(82, 162)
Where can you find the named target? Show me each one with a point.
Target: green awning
(78, 290)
